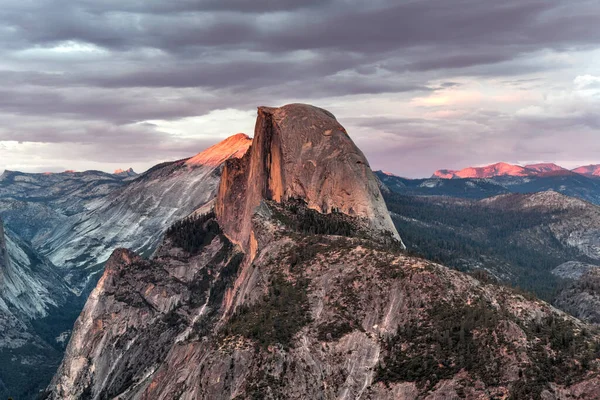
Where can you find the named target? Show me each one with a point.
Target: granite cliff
(297, 286)
(300, 151)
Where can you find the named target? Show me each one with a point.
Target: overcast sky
(419, 85)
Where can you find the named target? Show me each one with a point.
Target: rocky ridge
(127, 173)
(505, 169)
(61, 228)
(310, 304)
(589, 170)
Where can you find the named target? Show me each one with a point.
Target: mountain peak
(299, 151)
(233, 147)
(548, 169)
(127, 172)
(545, 167)
(489, 171)
(388, 173)
(504, 169)
(588, 170)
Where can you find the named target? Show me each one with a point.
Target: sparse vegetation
(334, 330)
(468, 235)
(458, 336)
(573, 351)
(454, 337)
(295, 214)
(193, 233)
(277, 317)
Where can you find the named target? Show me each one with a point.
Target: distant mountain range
(585, 187)
(590, 170)
(505, 169)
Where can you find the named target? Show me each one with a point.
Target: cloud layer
(420, 85)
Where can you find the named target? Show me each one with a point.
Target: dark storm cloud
(105, 65)
(457, 61)
(370, 28)
(102, 105)
(160, 6)
(243, 74)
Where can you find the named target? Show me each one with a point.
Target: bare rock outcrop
(312, 303)
(234, 146)
(323, 317)
(138, 311)
(300, 151)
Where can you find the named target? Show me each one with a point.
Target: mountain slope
(322, 316)
(73, 222)
(589, 170)
(29, 283)
(31, 290)
(311, 305)
(136, 215)
(518, 238)
(574, 185)
(581, 298)
(34, 205)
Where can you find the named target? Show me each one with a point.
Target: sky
(419, 85)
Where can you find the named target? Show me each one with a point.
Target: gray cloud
(89, 72)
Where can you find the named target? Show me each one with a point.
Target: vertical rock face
(300, 151)
(317, 307)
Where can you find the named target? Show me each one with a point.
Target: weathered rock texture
(300, 151)
(234, 146)
(4, 258)
(60, 231)
(30, 289)
(320, 317)
(138, 311)
(581, 297)
(136, 215)
(317, 307)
